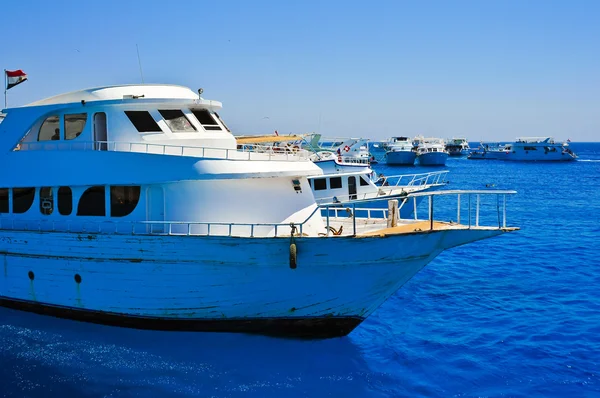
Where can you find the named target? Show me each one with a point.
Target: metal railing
(396, 187)
(469, 194)
(432, 178)
(192, 228)
(185, 228)
(242, 152)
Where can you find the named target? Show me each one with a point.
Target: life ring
(347, 148)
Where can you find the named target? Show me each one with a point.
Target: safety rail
(432, 179)
(243, 152)
(186, 228)
(340, 214)
(351, 210)
(459, 194)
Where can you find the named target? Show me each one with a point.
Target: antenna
(139, 62)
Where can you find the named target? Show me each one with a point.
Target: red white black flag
(14, 77)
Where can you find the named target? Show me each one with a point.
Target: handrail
(431, 179)
(132, 224)
(416, 179)
(186, 228)
(242, 152)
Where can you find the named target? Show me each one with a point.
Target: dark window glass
(530, 148)
(143, 121)
(46, 201)
(363, 182)
(65, 201)
(123, 200)
(176, 120)
(206, 119)
(74, 125)
(50, 130)
(22, 199)
(222, 122)
(4, 200)
(335, 182)
(92, 202)
(319, 184)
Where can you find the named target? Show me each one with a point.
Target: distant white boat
(457, 147)
(400, 151)
(359, 188)
(431, 151)
(526, 149)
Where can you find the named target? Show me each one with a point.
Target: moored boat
(133, 206)
(526, 149)
(431, 152)
(457, 147)
(400, 151)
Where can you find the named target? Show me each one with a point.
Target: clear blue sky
(489, 70)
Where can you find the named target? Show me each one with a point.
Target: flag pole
(5, 85)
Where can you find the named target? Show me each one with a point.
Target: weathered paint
(210, 278)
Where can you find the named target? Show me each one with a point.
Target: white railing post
(477, 212)
(504, 212)
(469, 210)
(458, 210)
(415, 206)
(431, 212)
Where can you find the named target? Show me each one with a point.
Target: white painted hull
(433, 158)
(214, 283)
(401, 158)
(523, 156)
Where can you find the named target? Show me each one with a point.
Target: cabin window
(206, 119)
(46, 201)
(92, 202)
(335, 182)
(530, 148)
(65, 201)
(319, 184)
(22, 199)
(143, 121)
(74, 125)
(4, 200)
(50, 129)
(123, 200)
(222, 122)
(176, 120)
(363, 182)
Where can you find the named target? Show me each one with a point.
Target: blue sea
(516, 315)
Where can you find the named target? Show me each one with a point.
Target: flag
(14, 77)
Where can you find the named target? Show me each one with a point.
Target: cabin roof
(145, 91)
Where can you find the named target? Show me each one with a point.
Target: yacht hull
(401, 158)
(433, 159)
(223, 284)
(523, 156)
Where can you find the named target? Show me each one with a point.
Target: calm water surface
(517, 315)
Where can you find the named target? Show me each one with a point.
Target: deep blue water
(516, 315)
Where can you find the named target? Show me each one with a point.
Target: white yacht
(400, 151)
(457, 147)
(431, 151)
(132, 206)
(526, 149)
